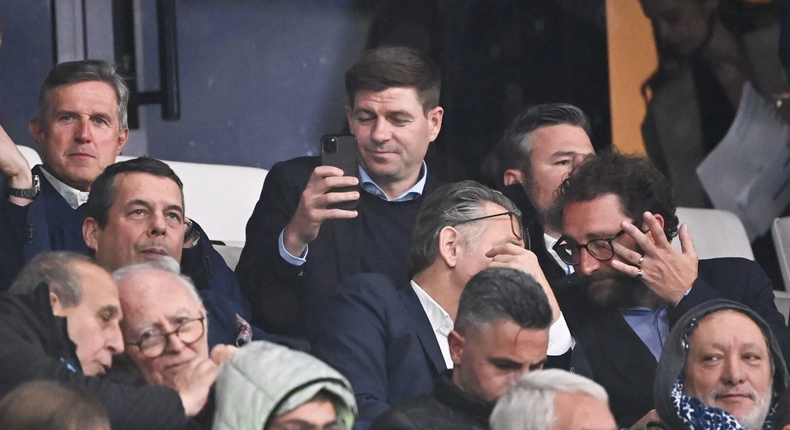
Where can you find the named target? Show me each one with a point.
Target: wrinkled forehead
(152, 296)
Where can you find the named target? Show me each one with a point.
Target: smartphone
(340, 150)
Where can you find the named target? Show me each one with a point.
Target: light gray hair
(57, 270)
(166, 264)
(529, 403)
(73, 72)
(448, 206)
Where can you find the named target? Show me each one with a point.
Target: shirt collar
(412, 193)
(74, 197)
(550, 242)
(441, 322)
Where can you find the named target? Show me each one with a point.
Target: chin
(607, 292)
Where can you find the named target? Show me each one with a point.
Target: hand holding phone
(341, 151)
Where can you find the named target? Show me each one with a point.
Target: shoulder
(726, 268)
(411, 415)
(295, 166)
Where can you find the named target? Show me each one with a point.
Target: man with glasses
(391, 340)
(617, 216)
(164, 329)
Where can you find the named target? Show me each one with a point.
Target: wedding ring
(638, 274)
(641, 259)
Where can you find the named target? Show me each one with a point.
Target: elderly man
(164, 326)
(298, 248)
(539, 149)
(553, 399)
(80, 128)
(135, 213)
(501, 332)
(722, 362)
(630, 286)
(65, 328)
(391, 340)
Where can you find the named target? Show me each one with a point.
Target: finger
(339, 182)
(508, 248)
(624, 268)
(336, 197)
(321, 172)
(656, 230)
(626, 254)
(641, 239)
(686, 243)
(337, 214)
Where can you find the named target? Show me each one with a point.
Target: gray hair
(57, 270)
(500, 294)
(166, 264)
(83, 71)
(448, 206)
(529, 403)
(513, 150)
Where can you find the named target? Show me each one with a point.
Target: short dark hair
(395, 66)
(52, 405)
(636, 182)
(499, 294)
(514, 147)
(56, 269)
(102, 193)
(449, 205)
(72, 72)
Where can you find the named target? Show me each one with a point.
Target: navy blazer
(378, 336)
(49, 223)
(285, 299)
(623, 364)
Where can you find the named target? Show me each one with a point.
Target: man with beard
(720, 364)
(617, 215)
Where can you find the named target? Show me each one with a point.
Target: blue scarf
(697, 416)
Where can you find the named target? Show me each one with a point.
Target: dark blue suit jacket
(378, 336)
(49, 223)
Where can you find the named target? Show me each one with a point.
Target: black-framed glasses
(516, 226)
(155, 345)
(600, 249)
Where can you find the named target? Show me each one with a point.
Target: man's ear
(449, 241)
(435, 116)
(456, 342)
(90, 233)
(513, 176)
(122, 138)
(36, 131)
(57, 306)
(787, 427)
(349, 112)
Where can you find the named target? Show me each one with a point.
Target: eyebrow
(147, 204)
(566, 153)
(112, 310)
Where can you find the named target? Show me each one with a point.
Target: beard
(755, 419)
(612, 289)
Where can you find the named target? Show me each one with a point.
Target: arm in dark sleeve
(269, 282)
(129, 407)
(12, 240)
(353, 340)
(394, 419)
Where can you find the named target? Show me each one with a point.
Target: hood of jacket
(676, 349)
(264, 380)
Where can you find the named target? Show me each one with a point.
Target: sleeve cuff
(560, 339)
(293, 261)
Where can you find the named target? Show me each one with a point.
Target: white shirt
(550, 242)
(74, 197)
(441, 323)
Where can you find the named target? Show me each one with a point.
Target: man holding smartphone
(298, 249)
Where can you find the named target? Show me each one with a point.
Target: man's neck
(438, 284)
(645, 297)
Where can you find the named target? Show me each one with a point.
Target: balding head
(164, 325)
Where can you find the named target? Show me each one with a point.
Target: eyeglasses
(516, 226)
(153, 346)
(600, 249)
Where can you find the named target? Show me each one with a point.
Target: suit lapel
(422, 327)
(610, 333)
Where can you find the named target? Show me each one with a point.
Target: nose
(174, 344)
(587, 263)
(83, 131)
(381, 131)
(158, 224)
(115, 340)
(732, 370)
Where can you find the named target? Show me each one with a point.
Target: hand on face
(512, 256)
(313, 207)
(668, 273)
